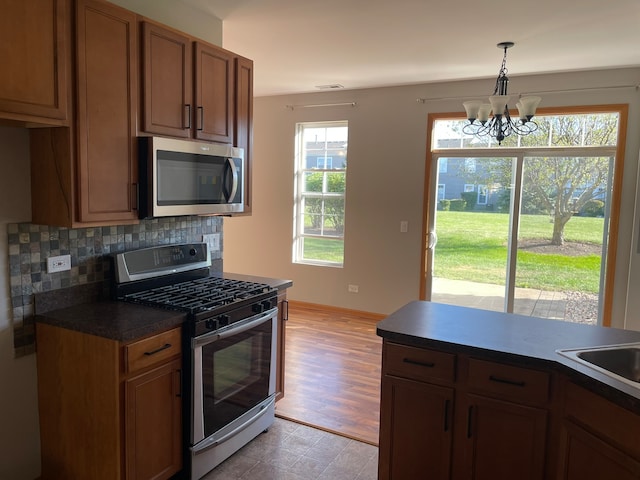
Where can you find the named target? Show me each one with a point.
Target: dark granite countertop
(504, 336)
(87, 309)
(119, 321)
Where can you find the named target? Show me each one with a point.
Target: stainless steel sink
(616, 361)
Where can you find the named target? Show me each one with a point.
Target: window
(442, 165)
(320, 185)
(482, 194)
(441, 190)
(549, 211)
(469, 187)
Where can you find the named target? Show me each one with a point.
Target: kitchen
(396, 256)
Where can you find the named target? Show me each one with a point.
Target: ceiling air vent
(332, 86)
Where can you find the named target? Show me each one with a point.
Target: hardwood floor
(332, 365)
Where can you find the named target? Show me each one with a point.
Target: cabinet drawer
(515, 383)
(152, 350)
(419, 363)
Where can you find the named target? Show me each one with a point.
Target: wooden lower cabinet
(153, 423)
(109, 411)
(439, 422)
(586, 457)
(417, 430)
(500, 440)
(599, 440)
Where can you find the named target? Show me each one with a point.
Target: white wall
(19, 435)
(387, 148)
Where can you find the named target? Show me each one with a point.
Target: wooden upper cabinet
(188, 86)
(107, 86)
(34, 85)
(167, 84)
(214, 93)
(244, 120)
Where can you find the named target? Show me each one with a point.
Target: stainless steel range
(229, 346)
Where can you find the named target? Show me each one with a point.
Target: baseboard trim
(340, 310)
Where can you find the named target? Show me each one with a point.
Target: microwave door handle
(231, 166)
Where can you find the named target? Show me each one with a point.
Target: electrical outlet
(353, 288)
(404, 226)
(60, 263)
(213, 241)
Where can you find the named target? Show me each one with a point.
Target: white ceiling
(297, 45)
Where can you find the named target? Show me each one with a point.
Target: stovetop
(209, 294)
(177, 277)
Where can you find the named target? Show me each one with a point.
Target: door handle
(432, 240)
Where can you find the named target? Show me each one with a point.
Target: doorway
(525, 228)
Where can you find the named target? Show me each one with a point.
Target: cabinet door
(34, 83)
(586, 457)
(153, 423)
(415, 430)
(500, 440)
(167, 87)
(214, 93)
(107, 99)
(244, 121)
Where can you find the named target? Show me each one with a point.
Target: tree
(560, 186)
(326, 207)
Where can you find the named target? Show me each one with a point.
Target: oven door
(233, 377)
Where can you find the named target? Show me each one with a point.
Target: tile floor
(290, 451)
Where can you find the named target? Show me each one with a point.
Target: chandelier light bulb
(529, 105)
(499, 104)
(484, 112)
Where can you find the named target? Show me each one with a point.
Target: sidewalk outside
(528, 301)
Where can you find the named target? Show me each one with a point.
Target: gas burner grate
(195, 296)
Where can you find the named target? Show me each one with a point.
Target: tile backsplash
(30, 245)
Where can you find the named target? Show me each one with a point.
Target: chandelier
(501, 125)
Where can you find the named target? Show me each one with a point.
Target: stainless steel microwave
(183, 177)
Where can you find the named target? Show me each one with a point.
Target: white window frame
(301, 171)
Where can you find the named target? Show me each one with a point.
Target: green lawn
(473, 246)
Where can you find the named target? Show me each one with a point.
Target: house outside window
(320, 186)
(469, 187)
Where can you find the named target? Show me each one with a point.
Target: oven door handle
(213, 442)
(247, 324)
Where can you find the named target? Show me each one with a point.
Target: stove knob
(266, 304)
(257, 308)
(210, 324)
(223, 320)
(193, 252)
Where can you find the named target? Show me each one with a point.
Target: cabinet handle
(469, 421)
(200, 118)
(420, 364)
(187, 113)
(285, 310)
(515, 383)
(446, 415)
(136, 196)
(158, 350)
